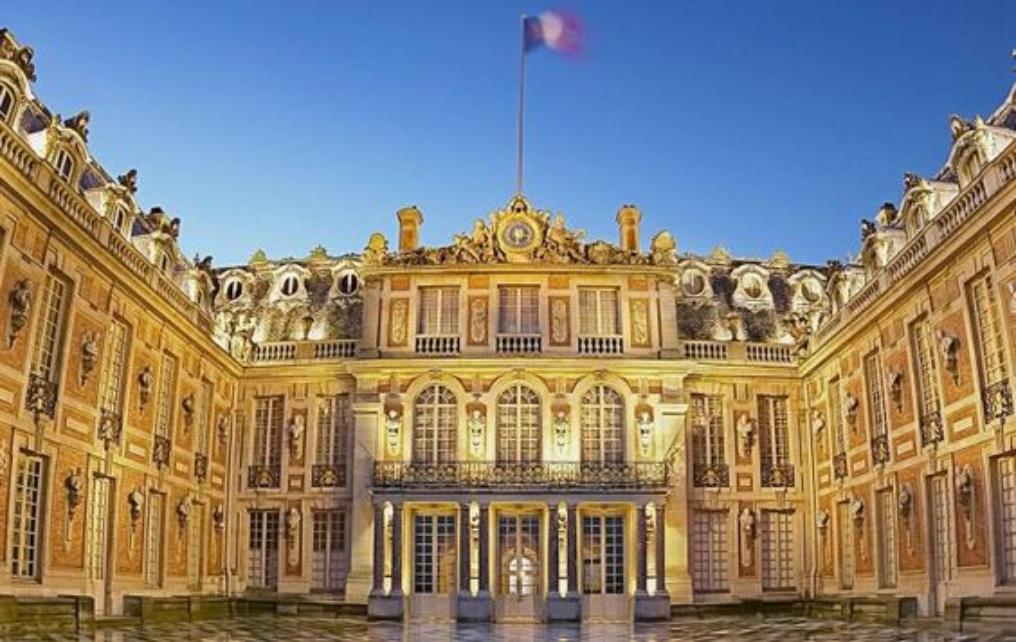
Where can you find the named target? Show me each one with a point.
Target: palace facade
(518, 424)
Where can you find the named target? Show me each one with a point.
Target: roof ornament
(129, 180)
(21, 56)
(911, 180)
(959, 126)
(79, 123)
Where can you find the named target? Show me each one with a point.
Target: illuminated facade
(519, 425)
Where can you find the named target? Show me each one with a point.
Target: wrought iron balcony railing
(200, 467)
(161, 448)
(840, 466)
(998, 401)
(931, 428)
(711, 475)
(778, 476)
(264, 476)
(328, 475)
(880, 449)
(41, 396)
(521, 475)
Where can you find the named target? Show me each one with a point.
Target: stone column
(484, 551)
(641, 551)
(396, 549)
(661, 549)
(464, 550)
(378, 586)
(361, 532)
(553, 563)
(573, 550)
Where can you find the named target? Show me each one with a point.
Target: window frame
(517, 314)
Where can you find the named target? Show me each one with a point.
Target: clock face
(518, 234)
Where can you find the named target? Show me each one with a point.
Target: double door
(519, 568)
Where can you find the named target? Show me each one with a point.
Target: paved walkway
(301, 629)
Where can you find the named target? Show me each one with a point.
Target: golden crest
(518, 231)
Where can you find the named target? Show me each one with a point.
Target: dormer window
(164, 261)
(120, 219)
(970, 167)
(349, 283)
(6, 102)
(234, 289)
(693, 283)
(753, 287)
(290, 285)
(64, 164)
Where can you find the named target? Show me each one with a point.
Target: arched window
(6, 102)
(435, 423)
(602, 425)
(518, 424)
(64, 164)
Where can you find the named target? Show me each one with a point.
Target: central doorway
(519, 572)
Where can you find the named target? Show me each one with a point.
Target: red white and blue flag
(557, 30)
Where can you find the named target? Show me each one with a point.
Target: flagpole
(522, 104)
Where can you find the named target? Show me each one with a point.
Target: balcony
(931, 429)
(519, 344)
(161, 448)
(264, 475)
(438, 344)
(289, 351)
(473, 475)
(778, 476)
(328, 475)
(770, 353)
(880, 449)
(997, 401)
(711, 476)
(601, 344)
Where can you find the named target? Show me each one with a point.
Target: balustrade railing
(769, 353)
(337, 349)
(519, 343)
(520, 475)
(274, 351)
(438, 344)
(601, 344)
(705, 350)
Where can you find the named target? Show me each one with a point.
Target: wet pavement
(342, 629)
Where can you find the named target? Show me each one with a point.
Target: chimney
(628, 219)
(410, 219)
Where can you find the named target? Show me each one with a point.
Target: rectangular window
(1007, 523)
(886, 517)
(598, 312)
(518, 309)
(202, 416)
(439, 311)
(777, 550)
(707, 439)
(195, 545)
(434, 559)
(27, 526)
(603, 554)
(263, 549)
(333, 421)
(876, 395)
(268, 420)
(328, 565)
(990, 345)
(153, 540)
(64, 164)
(836, 417)
(709, 546)
(167, 387)
(114, 362)
(846, 527)
(922, 347)
(98, 527)
(774, 440)
(49, 343)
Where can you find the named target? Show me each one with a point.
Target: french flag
(555, 29)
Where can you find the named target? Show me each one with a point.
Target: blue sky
(755, 125)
